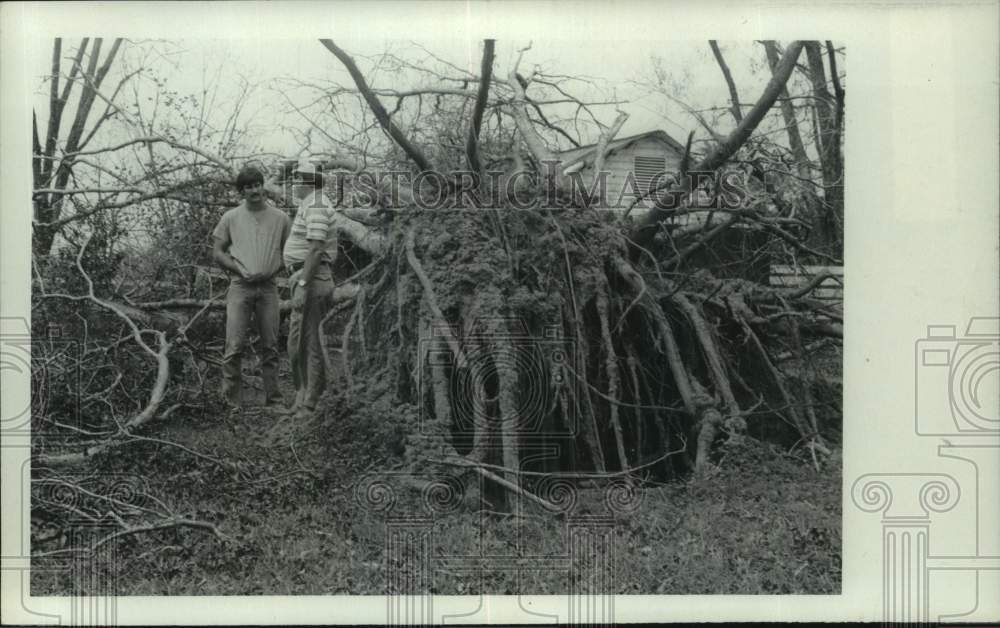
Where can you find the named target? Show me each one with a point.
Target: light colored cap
(305, 167)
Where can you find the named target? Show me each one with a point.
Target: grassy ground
(763, 522)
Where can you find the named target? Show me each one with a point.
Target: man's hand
(226, 261)
(254, 278)
(299, 299)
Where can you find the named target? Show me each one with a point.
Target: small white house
(636, 159)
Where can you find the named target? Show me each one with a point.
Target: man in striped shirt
(309, 253)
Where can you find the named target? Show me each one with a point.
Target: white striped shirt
(315, 220)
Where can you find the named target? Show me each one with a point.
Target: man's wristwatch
(301, 283)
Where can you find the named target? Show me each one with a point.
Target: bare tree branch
(601, 150)
(154, 139)
(733, 95)
(472, 144)
(532, 139)
(143, 195)
(376, 106)
(646, 227)
(838, 92)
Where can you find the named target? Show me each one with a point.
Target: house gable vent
(646, 169)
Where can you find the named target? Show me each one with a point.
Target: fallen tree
(504, 331)
(527, 326)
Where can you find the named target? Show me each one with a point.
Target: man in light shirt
(248, 242)
(309, 254)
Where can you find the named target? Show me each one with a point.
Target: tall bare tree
(829, 121)
(52, 165)
(71, 178)
(788, 114)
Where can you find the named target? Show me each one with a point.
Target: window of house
(646, 169)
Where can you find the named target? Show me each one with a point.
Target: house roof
(586, 153)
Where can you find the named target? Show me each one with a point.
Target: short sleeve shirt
(254, 237)
(316, 220)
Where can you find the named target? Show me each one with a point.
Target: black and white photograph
(572, 317)
(492, 312)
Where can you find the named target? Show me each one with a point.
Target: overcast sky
(191, 66)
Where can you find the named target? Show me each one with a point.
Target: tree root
(509, 420)
(776, 375)
(611, 368)
(715, 365)
(589, 428)
(345, 340)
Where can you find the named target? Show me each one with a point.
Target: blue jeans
(242, 300)
(304, 349)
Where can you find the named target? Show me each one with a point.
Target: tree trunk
(733, 95)
(788, 113)
(832, 219)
